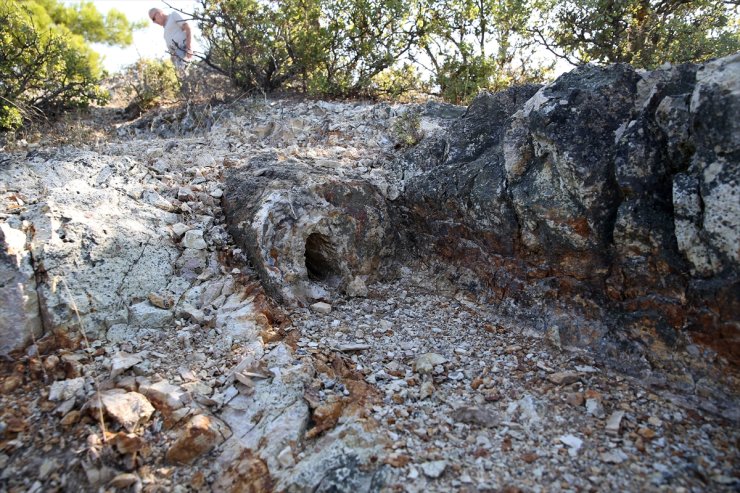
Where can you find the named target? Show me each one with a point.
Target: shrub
(406, 129)
(149, 83)
(46, 66)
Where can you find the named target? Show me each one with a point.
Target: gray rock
(128, 408)
(63, 390)
(425, 363)
(194, 239)
(321, 307)
(20, 315)
(147, 316)
(434, 469)
(307, 233)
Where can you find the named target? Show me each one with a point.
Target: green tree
(46, 63)
(262, 44)
(364, 38)
(329, 47)
(479, 44)
(644, 33)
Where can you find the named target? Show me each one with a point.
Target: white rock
(151, 197)
(321, 307)
(573, 443)
(129, 409)
(122, 362)
(285, 457)
(145, 315)
(164, 394)
(594, 408)
(425, 363)
(613, 423)
(194, 239)
(66, 389)
(615, 456)
(434, 469)
(179, 229)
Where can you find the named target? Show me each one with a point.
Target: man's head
(157, 16)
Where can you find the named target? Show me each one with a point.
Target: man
(177, 35)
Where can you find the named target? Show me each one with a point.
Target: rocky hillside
(537, 292)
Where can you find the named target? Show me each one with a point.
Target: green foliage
(150, 82)
(397, 83)
(46, 64)
(406, 129)
(326, 47)
(479, 44)
(254, 43)
(363, 38)
(644, 33)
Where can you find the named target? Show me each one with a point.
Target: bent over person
(177, 35)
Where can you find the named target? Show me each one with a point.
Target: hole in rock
(321, 258)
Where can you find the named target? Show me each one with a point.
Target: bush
(406, 129)
(46, 66)
(149, 83)
(324, 47)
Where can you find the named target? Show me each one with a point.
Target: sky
(148, 42)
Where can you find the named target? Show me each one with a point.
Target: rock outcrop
(609, 195)
(308, 227)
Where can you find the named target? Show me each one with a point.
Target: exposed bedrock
(307, 229)
(603, 205)
(611, 192)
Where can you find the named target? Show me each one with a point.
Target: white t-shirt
(174, 36)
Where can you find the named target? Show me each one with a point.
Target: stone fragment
(145, 315)
(356, 288)
(165, 396)
(614, 422)
(321, 307)
(200, 435)
(325, 417)
(11, 383)
(646, 433)
(573, 443)
(285, 457)
(575, 399)
(564, 377)
(66, 389)
(152, 197)
(426, 390)
(354, 347)
(194, 239)
(425, 363)
(164, 302)
(595, 408)
(129, 408)
(179, 229)
(615, 456)
(124, 480)
(122, 362)
(434, 469)
(476, 416)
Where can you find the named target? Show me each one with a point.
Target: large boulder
(610, 193)
(308, 230)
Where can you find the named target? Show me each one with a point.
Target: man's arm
(188, 39)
